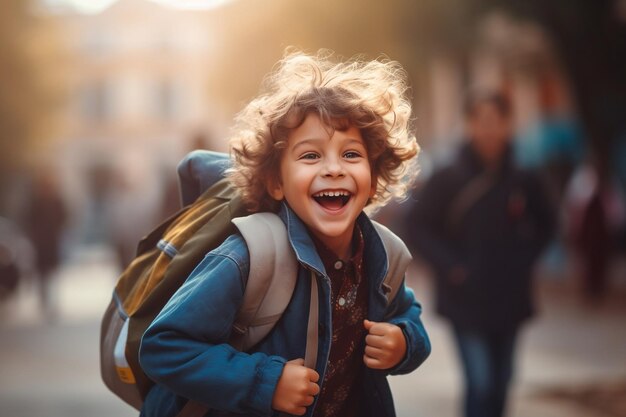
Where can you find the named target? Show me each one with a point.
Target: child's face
(327, 180)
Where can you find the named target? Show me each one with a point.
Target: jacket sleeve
(185, 348)
(404, 311)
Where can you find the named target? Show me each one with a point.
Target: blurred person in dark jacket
(44, 219)
(16, 258)
(481, 223)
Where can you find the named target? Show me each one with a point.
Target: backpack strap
(398, 260)
(310, 354)
(271, 281)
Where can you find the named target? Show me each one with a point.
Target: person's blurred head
(488, 124)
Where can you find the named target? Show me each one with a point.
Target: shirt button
(338, 265)
(342, 301)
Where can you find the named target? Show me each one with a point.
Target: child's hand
(385, 345)
(296, 388)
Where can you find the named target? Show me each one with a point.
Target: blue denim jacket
(185, 349)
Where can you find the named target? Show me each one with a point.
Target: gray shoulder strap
(272, 278)
(271, 281)
(398, 259)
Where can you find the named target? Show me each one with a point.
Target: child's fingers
(372, 363)
(376, 328)
(298, 411)
(313, 375)
(375, 341)
(298, 361)
(373, 352)
(314, 389)
(372, 326)
(308, 401)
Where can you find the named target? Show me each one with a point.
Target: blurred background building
(108, 95)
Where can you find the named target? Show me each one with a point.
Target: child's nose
(333, 168)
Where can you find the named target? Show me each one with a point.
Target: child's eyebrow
(351, 141)
(313, 141)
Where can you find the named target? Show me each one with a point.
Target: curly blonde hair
(369, 95)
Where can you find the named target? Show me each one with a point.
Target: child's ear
(374, 186)
(275, 190)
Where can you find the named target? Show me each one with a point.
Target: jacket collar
(373, 253)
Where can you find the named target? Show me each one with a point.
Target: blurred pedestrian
(481, 223)
(595, 215)
(16, 258)
(44, 218)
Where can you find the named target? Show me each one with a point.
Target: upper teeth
(331, 194)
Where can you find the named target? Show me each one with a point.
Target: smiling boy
(326, 179)
(322, 143)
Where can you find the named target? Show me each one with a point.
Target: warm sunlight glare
(96, 6)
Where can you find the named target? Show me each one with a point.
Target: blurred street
(50, 365)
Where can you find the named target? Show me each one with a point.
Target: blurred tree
(27, 88)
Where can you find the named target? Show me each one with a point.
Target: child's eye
(309, 155)
(351, 155)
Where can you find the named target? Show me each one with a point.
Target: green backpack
(167, 256)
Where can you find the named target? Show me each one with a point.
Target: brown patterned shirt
(340, 392)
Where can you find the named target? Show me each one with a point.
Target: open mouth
(332, 200)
